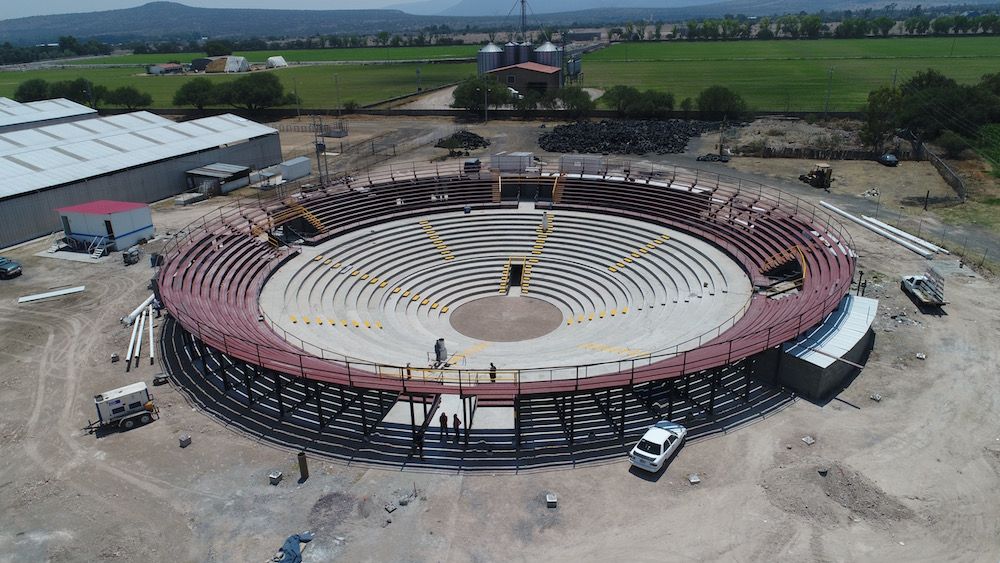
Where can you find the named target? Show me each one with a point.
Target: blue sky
(19, 8)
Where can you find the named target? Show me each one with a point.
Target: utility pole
(829, 88)
(336, 82)
(486, 104)
(298, 100)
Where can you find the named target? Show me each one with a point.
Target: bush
(952, 143)
(630, 102)
(721, 101)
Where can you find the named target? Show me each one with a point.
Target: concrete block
(809, 440)
(185, 440)
(274, 477)
(694, 479)
(550, 500)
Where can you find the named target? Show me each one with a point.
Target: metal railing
(695, 354)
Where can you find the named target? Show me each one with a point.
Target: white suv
(657, 445)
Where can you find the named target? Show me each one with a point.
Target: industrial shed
(137, 157)
(228, 64)
(113, 225)
(15, 116)
(276, 62)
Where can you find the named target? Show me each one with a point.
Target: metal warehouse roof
(16, 113)
(40, 158)
(838, 334)
(218, 170)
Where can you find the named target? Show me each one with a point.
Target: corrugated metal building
(15, 116)
(137, 157)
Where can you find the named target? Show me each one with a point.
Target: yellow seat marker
(383, 284)
(397, 290)
(378, 325)
(357, 324)
(355, 272)
(294, 320)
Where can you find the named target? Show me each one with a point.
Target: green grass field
(771, 75)
(364, 84)
(429, 53)
(790, 75)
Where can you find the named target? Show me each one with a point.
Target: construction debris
(550, 500)
(694, 479)
(624, 137)
(809, 440)
(274, 477)
(50, 294)
(877, 397)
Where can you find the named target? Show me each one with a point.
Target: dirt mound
(330, 511)
(830, 499)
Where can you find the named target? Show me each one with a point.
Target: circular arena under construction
(557, 313)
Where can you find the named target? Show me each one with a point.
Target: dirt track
(915, 477)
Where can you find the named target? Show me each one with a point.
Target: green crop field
(364, 84)
(771, 75)
(790, 75)
(429, 53)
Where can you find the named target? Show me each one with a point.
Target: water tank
(549, 54)
(510, 54)
(489, 58)
(524, 52)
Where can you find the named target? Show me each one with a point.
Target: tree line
(252, 92)
(82, 91)
(476, 94)
(68, 46)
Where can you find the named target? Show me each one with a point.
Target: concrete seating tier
(354, 294)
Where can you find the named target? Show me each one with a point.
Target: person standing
(443, 419)
(458, 425)
(420, 445)
(493, 373)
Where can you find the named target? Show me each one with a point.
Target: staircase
(496, 190)
(97, 248)
(557, 190)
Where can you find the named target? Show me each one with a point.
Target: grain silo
(490, 57)
(510, 54)
(548, 54)
(524, 52)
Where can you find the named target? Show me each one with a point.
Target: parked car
(657, 445)
(888, 160)
(9, 268)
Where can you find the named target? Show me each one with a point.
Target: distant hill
(170, 20)
(503, 7)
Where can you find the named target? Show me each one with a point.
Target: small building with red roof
(530, 76)
(112, 225)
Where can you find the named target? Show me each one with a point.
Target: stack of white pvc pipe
(921, 250)
(149, 314)
(138, 342)
(903, 234)
(128, 320)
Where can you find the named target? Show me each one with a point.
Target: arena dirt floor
(912, 477)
